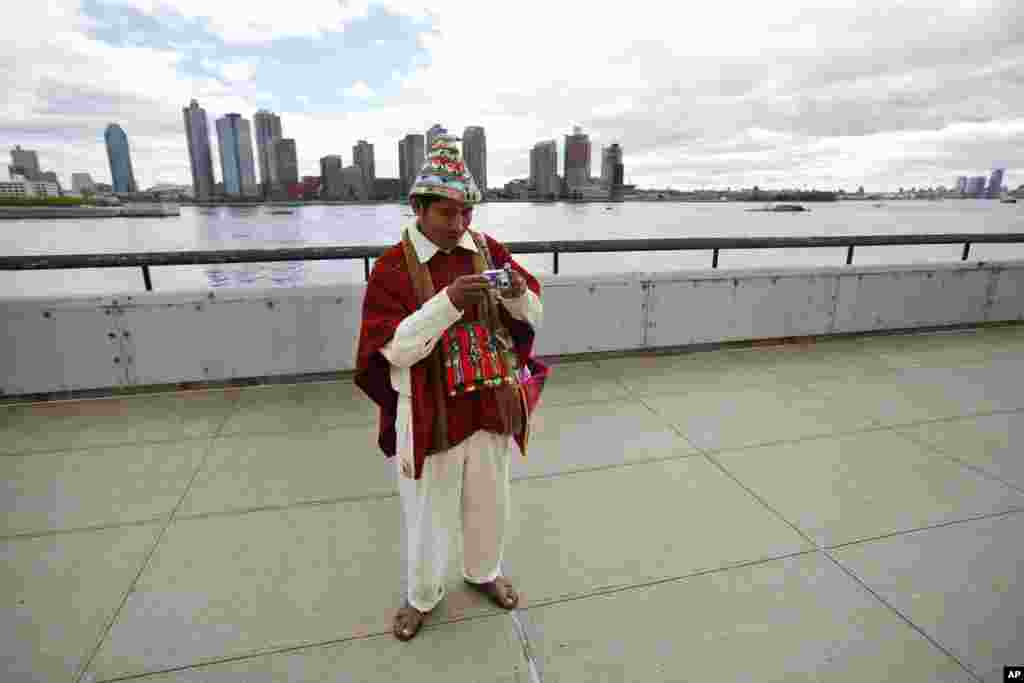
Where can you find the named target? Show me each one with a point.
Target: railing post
(366, 267)
(145, 276)
(714, 259)
(556, 261)
(849, 255)
(967, 249)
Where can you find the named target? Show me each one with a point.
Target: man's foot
(500, 591)
(408, 622)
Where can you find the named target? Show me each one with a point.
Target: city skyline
(779, 94)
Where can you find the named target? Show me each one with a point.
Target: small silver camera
(499, 278)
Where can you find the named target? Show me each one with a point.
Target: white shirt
(419, 332)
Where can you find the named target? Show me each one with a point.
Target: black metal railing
(147, 259)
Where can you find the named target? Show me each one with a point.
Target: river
(256, 227)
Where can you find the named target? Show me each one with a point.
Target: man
(443, 356)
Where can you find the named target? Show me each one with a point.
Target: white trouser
(464, 487)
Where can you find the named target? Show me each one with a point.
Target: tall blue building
(236, 160)
(120, 159)
(995, 182)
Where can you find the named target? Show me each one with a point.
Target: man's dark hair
(424, 201)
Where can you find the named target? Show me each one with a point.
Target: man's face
(444, 222)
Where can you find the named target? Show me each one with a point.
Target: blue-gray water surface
(257, 227)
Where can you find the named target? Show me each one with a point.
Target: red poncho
(390, 298)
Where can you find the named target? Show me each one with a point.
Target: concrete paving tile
(95, 486)
(253, 471)
(848, 488)
(969, 389)
(730, 418)
(570, 438)
(485, 650)
(960, 584)
(227, 586)
(888, 402)
(669, 375)
(300, 407)
(58, 594)
(588, 532)
(795, 619)
(58, 425)
(580, 383)
(991, 443)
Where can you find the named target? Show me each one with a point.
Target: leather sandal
(408, 622)
(497, 590)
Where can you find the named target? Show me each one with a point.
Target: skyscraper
(577, 159)
(544, 168)
(287, 162)
(474, 151)
(330, 176)
(434, 131)
(410, 160)
(234, 138)
(995, 182)
(268, 131)
(121, 173)
(25, 162)
(197, 134)
(609, 157)
(362, 156)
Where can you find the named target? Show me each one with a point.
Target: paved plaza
(847, 510)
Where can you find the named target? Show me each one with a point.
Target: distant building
(352, 184)
(995, 182)
(518, 189)
(51, 177)
(197, 135)
(615, 189)
(474, 151)
(268, 131)
(435, 130)
(311, 186)
(23, 188)
(234, 137)
(24, 162)
(330, 177)
(82, 183)
(362, 156)
(387, 188)
(576, 164)
(120, 158)
(287, 161)
(543, 169)
(410, 160)
(610, 156)
(976, 186)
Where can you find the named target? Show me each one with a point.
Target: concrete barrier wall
(60, 344)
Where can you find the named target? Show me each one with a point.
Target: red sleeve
(387, 302)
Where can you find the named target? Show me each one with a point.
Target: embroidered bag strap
(424, 288)
(499, 326)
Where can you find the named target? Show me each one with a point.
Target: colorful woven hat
(444, 174)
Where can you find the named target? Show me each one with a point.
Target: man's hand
(517, 289)
(468, 290)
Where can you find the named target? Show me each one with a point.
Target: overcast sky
(702, 94)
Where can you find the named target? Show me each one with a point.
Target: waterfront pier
(747, 490)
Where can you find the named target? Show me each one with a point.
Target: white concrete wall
(90, 342)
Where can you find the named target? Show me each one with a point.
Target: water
(256, 227)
